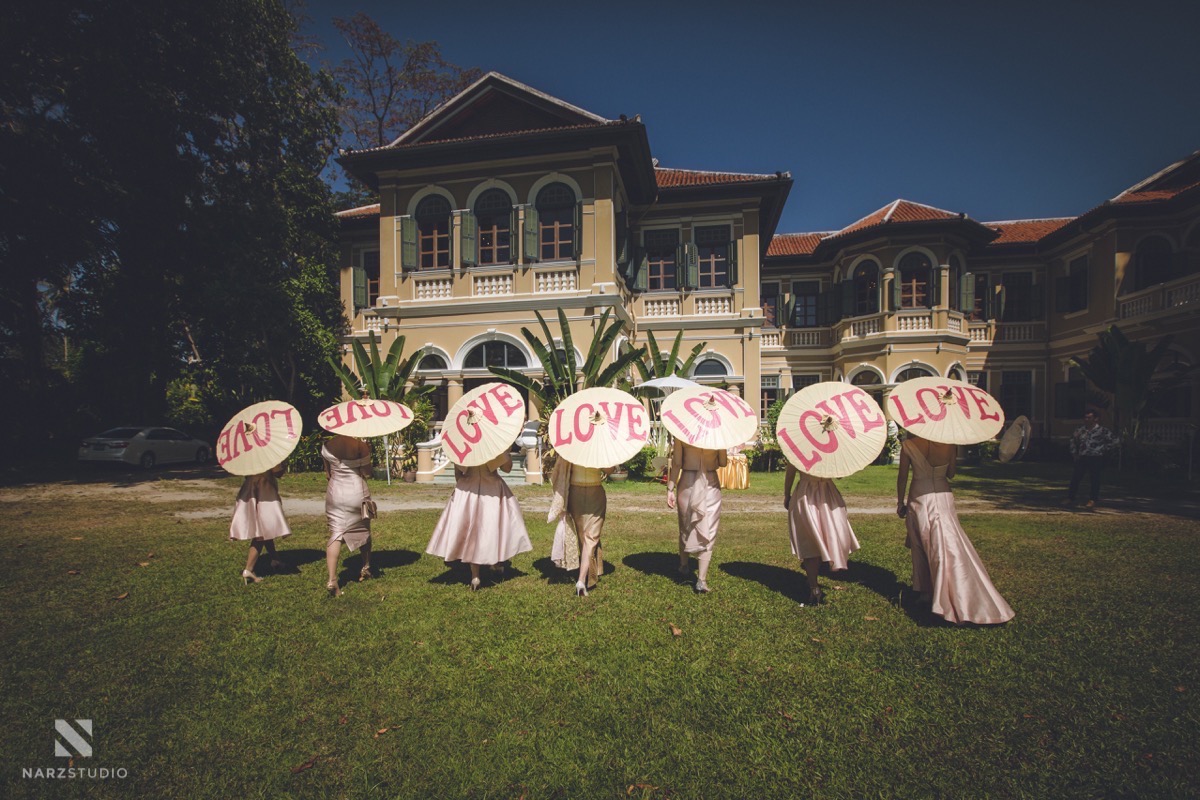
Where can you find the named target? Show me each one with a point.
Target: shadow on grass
(788, 582)
(381, 562)
(552, 573)
(664, 565)
(459, 573)
(116, 474)
(294, 559)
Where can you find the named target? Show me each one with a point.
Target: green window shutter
(998, 302)
(532, 246)
(935, 286)
(896, 291)
(468, 231)
(680, 267)
(514, 222)
(360, 287)
(577, 231)
(966, 293)
(641, 275)
(408, 243)
(691, 257)
(733, 263)
(790, 312)
(848, 298)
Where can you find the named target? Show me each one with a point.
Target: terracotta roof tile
(794, 244)
(1025, 231)
(669, 178)
(1149, 196)
(362, 211)
(898, 211)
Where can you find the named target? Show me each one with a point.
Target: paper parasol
(712, 419)
(945, 410)
(259, 438)
(599, 427)
(483, 424)
(366, 418)
(1015, 440)
(831, 429)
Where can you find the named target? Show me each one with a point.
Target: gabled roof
(671, 178)
(898, 211)
(496, 105)
(1164, 184)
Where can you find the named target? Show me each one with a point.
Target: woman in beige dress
(347, 465)
(258, 518)
(947, 572)
(694, 490)
(482, 521)
(818, 526)
(579, 501)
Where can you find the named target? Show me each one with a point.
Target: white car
(144, 447)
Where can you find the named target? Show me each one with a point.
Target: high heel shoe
(250, 577)
(701, 586)
(365, 574)
(474, 584)
(333, 589)
(581, 589)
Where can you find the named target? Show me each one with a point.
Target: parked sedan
(144, 447)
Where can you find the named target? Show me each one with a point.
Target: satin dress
(945, 563)
(258, 512)
(482, 522)
(344, 498)
(697, 497)
(818, 523)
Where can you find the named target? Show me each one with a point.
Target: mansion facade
(505, 201)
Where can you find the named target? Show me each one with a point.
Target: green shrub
(307, 455)
(640, 466)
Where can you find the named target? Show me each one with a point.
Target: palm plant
(560, 366)
(1124, 369)
(387, 379)
(658, 365)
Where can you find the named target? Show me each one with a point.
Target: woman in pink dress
(694, 490)
(947, 572)
(818, 526)
(258, 518)
(482, 521)
(347, 503)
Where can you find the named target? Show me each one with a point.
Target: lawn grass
(411, 686)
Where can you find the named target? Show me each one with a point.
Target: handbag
(369, 509)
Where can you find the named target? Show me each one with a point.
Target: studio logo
(70, 741)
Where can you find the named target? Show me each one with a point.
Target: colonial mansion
(506, 201)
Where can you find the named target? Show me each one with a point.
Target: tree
(389, 85)
(1125, 370)
(164, 166)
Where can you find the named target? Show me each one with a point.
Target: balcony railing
(808, 337)
(1020, 332)
(1163, 297)
(771, 339)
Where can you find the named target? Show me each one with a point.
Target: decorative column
(885, 299)
(454, 391)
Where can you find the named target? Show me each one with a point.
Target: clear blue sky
(1001, 110)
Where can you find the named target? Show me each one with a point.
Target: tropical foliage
(388, 379)
(561, 370)
(657, 364)
(1125, 370)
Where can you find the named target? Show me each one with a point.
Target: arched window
(433, 233)
(956, 374)
(865, 378)
(493, 212)
(555, 205)
(912, 372)
(431, 362)
(710, 368)
(866, 288)
(915, 281)
(495, 354)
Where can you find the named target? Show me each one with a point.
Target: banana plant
(381, 379)
(657, 365)
(560, 367)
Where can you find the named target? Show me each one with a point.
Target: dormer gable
(495, 105)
